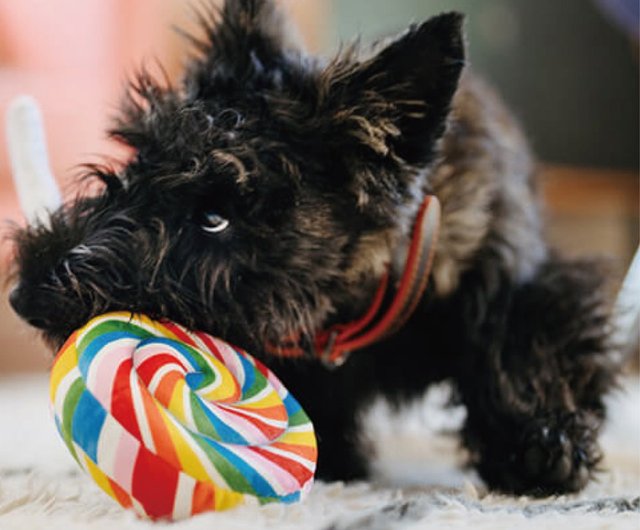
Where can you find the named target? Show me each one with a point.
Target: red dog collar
(333, 345)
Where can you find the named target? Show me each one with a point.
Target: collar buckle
(329, 356)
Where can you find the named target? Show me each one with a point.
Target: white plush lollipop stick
(37, 190)
(627, 308)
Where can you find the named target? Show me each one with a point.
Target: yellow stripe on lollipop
(225, 499)
(184, 448)
(270, 399)
(178, 401)
(298, 438)
(227, 388)
(100, 478)
(64, 363)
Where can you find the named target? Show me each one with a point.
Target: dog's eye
(214, 223)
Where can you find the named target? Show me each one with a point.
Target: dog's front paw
(551, 455)
(559, 455)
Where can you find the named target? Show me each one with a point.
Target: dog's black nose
(20, 304)
(16, 300)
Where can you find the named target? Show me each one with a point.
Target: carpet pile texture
(419, 480)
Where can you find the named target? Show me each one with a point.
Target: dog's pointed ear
(397, 102)
(242, 41)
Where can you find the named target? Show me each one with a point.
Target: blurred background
(568, 69)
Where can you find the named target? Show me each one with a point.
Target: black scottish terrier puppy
(270, 193)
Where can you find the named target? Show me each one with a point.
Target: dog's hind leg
(536, 366)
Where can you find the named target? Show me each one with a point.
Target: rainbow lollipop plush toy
(172, 423)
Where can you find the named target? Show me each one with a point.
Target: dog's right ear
(396, 103)
(243, 41)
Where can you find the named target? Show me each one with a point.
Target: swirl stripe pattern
(172, 423)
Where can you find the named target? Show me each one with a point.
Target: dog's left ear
(240, 49)
(242, 42)
(397, 102)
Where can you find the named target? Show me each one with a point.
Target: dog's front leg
(332, 398)
(534, 372)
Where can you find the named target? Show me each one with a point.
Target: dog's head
(255, 188)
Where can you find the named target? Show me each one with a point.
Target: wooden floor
(588, 211)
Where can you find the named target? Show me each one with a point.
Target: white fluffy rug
(419, 484)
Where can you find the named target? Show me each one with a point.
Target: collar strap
(333, 345)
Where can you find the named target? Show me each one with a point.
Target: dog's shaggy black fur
(319, 168)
